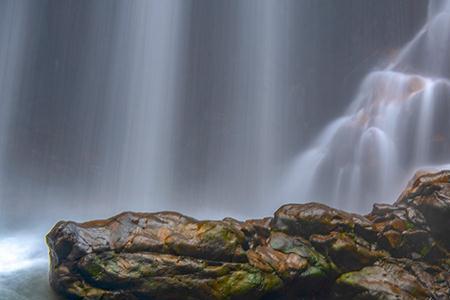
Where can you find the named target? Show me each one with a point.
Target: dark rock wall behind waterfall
(68, 122)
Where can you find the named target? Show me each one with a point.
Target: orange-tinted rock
(165, 232)
(393, 239)
(306, 251)
(430, 195)
(269, 260)
(383, 281)
(315, 218)
(347, 252)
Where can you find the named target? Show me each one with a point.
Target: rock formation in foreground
(305, 251)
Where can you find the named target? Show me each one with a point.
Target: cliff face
(305, 251)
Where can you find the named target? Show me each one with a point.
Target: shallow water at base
(27, 284)
(24, 268)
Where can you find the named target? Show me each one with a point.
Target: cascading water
(12, 29)
(194, 106)
(398, 122)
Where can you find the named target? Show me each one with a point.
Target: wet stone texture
(305, 251)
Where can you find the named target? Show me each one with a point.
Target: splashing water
(397, 123)
(20, 252)
(23, 268)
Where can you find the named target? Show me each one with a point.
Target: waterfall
(197, 106)
(397, 123)
(14, 20)
(154, 105)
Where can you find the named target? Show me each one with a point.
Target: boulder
(382, 281)
(429, 194)
(348, 252)
(315, 218)
(305, 251)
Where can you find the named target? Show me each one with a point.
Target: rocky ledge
(305, 251)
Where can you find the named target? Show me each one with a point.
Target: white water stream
(397, 123)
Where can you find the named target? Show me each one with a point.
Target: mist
(205, 107)
(195, 106)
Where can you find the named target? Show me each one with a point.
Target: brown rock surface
(306, 251)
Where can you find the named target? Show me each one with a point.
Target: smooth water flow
(201, 107)
(397, 123)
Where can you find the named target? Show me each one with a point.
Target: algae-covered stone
(165, 232)
(306, 251)
(160, 255)
(315, 218)
(348, 252)
(285, 265)
(319, 270)
(385, 281)
(163, 276)
(296, 245)
(430, 195)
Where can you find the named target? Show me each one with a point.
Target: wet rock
(319, 269)
(287, 266)
(165, 232)
(382, 281)
(305, 251)
(315, 218)
(256, 231)
(430, 195)
(348, 252)
(162, 276)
